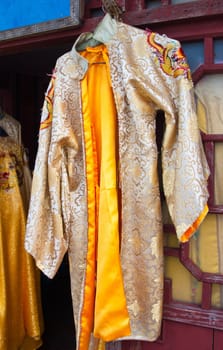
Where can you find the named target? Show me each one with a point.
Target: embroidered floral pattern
(156, 311)
(4, 177)
(11, 171)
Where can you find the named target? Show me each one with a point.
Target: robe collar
(103, 34)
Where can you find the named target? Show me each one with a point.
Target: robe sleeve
(47, 224)
(185, 169)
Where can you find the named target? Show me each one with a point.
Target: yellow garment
(13, 129)
(111, 318)
(20, 325)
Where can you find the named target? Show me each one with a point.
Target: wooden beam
(169, 19)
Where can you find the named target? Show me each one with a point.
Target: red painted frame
(181, 21)
(200, 315)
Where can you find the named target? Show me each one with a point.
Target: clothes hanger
(110, 7)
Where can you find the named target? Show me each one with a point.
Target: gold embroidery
(47, 119)
(135, 308)
(156, 312)
(171, 58)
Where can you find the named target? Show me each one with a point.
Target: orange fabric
(89, 290)
(111, 319)
(186, 236)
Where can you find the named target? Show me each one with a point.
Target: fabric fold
(111, 319)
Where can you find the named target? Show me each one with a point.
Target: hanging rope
(112, 7)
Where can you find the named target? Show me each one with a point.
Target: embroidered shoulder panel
(169, 55)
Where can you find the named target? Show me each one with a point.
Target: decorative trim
(193, 315)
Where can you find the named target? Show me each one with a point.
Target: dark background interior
(24, 79)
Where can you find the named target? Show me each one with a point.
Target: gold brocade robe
(20, 311)
(95, 177)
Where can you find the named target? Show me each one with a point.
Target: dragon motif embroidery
(171, 59)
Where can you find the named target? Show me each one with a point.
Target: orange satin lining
(108, 306)
(87, 312)
(186, 236)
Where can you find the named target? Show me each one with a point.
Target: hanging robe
(20, 310)
(13, 129)
(95, 191)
